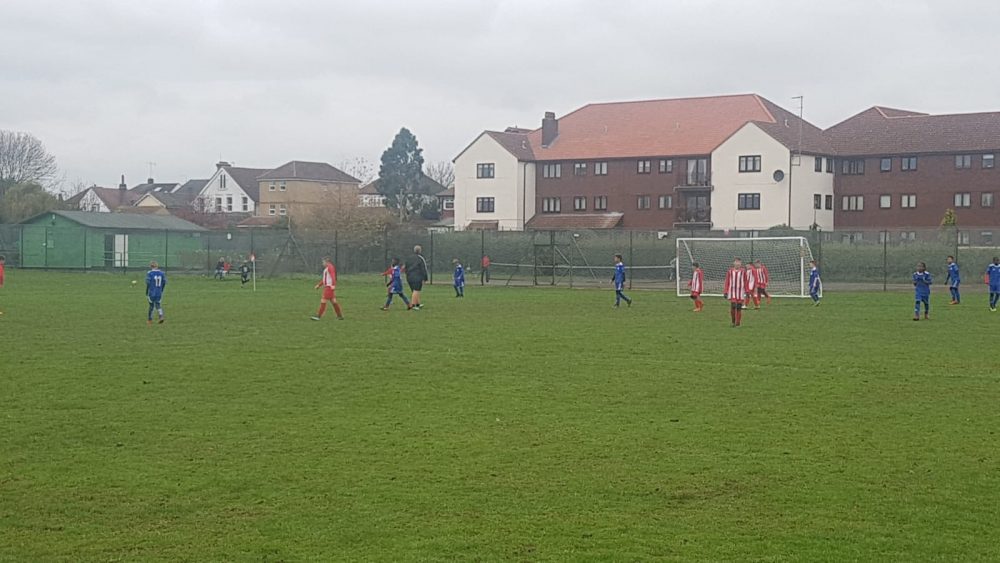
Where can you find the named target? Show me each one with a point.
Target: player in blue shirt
(954, 279)
(395, 285)
(993, 279)
(815, 283)
(459, 278)
(921, 291)
(156, 282)
(619, 279)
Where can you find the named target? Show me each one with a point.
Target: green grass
(517, 424)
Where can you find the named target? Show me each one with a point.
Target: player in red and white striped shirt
(329, 284)
(697, 285)
(751, 275)
(736, 290)
(763, 277)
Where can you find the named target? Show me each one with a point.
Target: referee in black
(416, 275)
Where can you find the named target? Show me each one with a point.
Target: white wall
(507, 186)
(214, 188)
(88, 201)
(729, 182)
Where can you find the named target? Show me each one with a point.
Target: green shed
(91, 240)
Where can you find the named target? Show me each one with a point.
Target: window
(600, 202)
(987, 161)
(986, 237)
(282, 210)
(817, 201)
(246, 203)
(272, 209)
(853, 167)
(580, 169)
(986, 199)
(485, 204)
(750, 163)
(642, 166)
(485, 170)
(829, 202)
(963, 238)
(666, 166)
(908, 236)
(552, 170)
(579, 203)
(666, 202)
(884, 201)
(448, 204)
(884, 237)
(853, 203)
(222, 182)
(748, 201)
(282, 187)
(818, 167)
(218, 204)
(908, 201)
(909, 163)
(600, 169)
(229, 203)
(963, 161)
(852, 238)
(963, 200)
(885, 165)
(643, 202)
(551, 205)
(271, 187)
(829, 165)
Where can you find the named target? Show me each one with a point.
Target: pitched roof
(143, 189)
(515, 142)
(314, 171)
(113, 198)
(169, 200)
(189, 190)
(247, 179)
(259, 221)
(885, 131)
(575, 221)
(785, 130)
(430, 186)
(130, 221)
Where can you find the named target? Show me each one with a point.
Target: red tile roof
(885, 131)
(575, 221)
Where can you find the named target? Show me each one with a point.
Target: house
(724, 162)
(297, 187)
(900, 171)
(83, 240)
(96, 199)
(369, 195)
(178, 199)
(231, 189)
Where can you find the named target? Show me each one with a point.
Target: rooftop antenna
(795, 158)
(151, 165)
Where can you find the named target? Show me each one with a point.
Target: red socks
(336, 308)
(322, 309)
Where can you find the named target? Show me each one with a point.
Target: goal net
(786, 258)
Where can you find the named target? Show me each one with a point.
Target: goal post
(786, 258)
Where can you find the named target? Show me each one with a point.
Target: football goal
(786, 258)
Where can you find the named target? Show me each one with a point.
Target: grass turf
(516, 424)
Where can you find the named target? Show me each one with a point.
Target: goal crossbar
(786, 259)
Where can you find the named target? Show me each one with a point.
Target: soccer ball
(134, 282)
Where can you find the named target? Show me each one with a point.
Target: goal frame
(805, 254)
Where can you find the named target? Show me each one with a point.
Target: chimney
(222, 164)
(550, 128)
(122, 186)
(150, 181)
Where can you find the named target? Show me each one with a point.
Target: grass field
(516, 424)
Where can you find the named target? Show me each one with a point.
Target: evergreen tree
(400, 176)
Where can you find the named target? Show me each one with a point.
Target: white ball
(134, 282)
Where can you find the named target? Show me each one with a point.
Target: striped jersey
(751, 275)
(763, 276)
(736, 284)
(329, 277)
(697, 284)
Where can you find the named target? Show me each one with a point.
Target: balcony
(695, 182)
(694, 219)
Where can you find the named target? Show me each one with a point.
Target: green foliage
(400, 176)
(950, 218)
(642, 434)
(22, 201)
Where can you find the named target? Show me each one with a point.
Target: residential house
(298, 187)
(369, 195)
(231, 189)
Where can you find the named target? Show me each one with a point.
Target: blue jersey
(953, 278)
(459, 276)
(993, 275)
(156, 281)
(814, 282)
(395, 280)
(619, 276)
(922, 284)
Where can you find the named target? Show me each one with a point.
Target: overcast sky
(111, 85)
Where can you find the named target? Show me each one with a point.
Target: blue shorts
(994, 288)
(154, 299)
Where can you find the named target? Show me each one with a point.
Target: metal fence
(872, 259)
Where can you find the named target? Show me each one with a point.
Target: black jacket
(416, 268)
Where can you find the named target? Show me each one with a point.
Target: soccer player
(993, 279)
(736, 291)
(3, 260)
(244, 274)
(395, 285)
(416, 275)
(156, 282)
(751, 274)
(459, 278)
(921, 291)
(619, 278)
(763, 277)
(697, 285)
(815, 283)
(484, 273)
(328, 282)
(953, 280)
(220, 269)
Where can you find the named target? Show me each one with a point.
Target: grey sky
(109, 85)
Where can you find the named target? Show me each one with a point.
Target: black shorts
(415, 285)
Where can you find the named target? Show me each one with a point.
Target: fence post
(385, 246)
(430, 274)
(630, 261)
(885, 268)
(166, 247)
(482, 254)
(336, 249)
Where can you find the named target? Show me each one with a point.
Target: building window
(817, 201)
(908, 163)
(601, 202)
(986, 237)
(852, 238)
(281, 186)
(986, 199)
(853, 203)
(448, 204)
(642, 166)
(222, 182)
(218, 204)
(282, 210)
(580, 169)
(551, 205)
(963, 200)
(885, 165)
(963, 238)
(829, 202)
(852, 167)
(884, 201)
(987, 161)
(750, 163)
(908, 236)
(666, 166)
(229, 203)
(580, 203)
(748, 201)
(271, 187)
(600, 169)
(272, 209)
(246, 203)
(666, 202)
(552, 170)
(884, 237)
(485, 204)
(963, 161)
(642, 202)
(829, 165)
(485, 170)
(818, 167)
(908, 201)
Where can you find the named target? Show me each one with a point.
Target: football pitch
(525, 424)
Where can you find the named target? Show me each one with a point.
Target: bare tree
(441, 172)
(23, 160)
(361, 168)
